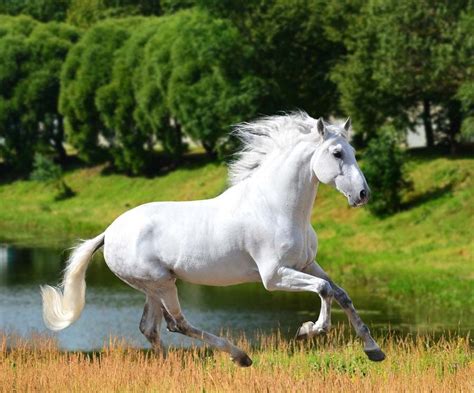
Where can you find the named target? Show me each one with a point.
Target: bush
(384, 170)
(47, 171)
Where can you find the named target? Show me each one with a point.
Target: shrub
(47, 171)
(384, 170)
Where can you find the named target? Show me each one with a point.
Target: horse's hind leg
(371, 348)
(151, 322)
(177, 323)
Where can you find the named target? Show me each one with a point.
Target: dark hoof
(376, 355)
(242, 361)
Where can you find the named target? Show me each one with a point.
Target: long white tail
(62, 308)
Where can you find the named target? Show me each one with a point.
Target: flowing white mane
(265, 135)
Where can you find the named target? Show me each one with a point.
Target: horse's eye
(337, 154)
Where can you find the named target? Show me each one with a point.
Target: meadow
(331, 363)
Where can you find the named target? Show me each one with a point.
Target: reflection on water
(114, 309)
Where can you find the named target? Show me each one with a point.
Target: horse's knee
(326, 291)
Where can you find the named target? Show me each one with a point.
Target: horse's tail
(62, 308)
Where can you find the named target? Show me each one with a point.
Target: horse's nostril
(363, 194)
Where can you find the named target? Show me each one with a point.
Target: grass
(421, 255)
(413, 364)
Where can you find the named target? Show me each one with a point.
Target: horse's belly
(227, 270)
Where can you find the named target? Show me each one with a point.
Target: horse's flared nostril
(363, 194)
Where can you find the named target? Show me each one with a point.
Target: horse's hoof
(305, 331)
(242, 361)
(376, 355)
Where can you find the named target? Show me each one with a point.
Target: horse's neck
(288, 185)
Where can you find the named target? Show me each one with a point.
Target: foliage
(133, 142)
(132, 82)
(465, 94)
(18, 143)
(32, 55)
(87, 68)
(86, 13)
(45, 170)
(292, 53)
(384, 169)
(153, 111)
(406, 57)
(210, 87)
(42, 10)
(188, 69)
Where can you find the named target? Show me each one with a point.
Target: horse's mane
(265, 135)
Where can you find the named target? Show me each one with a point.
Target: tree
(465, 48)
(210, 87)
(152, 80)
(117, 103)
(194, 79)
(42, 10)
(405, 56)
(383, 168)
(87, 68)
(292, 52)
(38, 92)
(85, 13)
(32, 54)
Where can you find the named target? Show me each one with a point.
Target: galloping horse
(258, 230)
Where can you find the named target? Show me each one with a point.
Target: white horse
(258, 230)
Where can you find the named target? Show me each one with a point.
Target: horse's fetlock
(363, 331)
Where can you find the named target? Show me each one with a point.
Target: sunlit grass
(334, 363)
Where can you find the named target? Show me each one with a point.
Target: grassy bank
(422, 254)
(329, 364)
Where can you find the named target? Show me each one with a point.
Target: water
(114, 309)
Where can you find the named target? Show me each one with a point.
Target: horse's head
(334, 163)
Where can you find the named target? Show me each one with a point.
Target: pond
(114, 309)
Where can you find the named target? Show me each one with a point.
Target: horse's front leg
(371, 348)
(287, 279)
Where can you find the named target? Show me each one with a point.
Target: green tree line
(116, 79)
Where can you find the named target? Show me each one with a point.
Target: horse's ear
(320, 126)
(347, 126)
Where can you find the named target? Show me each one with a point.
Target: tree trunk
(58, 140)
(455, 120)
(210, 150)
(178, 142)
(428, 123)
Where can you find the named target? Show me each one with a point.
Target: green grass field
(422, 254)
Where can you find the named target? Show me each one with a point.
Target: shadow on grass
(428, 196)
(463, 151)
(161, 164)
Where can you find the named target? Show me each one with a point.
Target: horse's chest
(295, 249)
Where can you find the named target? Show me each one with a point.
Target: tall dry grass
(331, 364)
